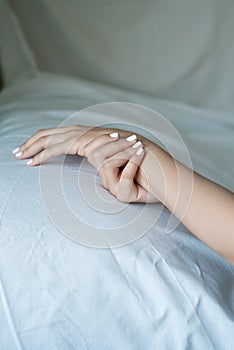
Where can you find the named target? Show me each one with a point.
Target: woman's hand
(204, 207)
(48, 143)
(118, 176)
(117, 161)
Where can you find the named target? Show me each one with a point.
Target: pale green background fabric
(181, 50)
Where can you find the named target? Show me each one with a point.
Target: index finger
(41, 133)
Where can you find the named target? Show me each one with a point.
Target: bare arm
(208, 214)
(205, 208)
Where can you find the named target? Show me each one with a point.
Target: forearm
(204, 207)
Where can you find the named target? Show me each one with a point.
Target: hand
(128, 179)
(117, 161)
(48, 143)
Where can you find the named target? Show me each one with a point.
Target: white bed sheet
(164, 291)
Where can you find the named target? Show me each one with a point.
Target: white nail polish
(139, 151)
(137, 144)
(114, 135)
(15, 150)
(131, 138)
(30, 162)
(19, 154)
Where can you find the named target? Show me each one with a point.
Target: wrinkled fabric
(162, 291)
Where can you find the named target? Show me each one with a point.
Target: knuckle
(43, 139)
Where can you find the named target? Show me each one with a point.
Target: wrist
(158, 172)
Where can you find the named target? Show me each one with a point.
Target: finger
(50, 152)
(97, 154)
(143, 196)
(131, 168)
(42, 143)
(109, 169)
(36, 147)
(126, 188)
(120, 159)
(42, 133)
(50, 137)
(128, 192)
(109, 177)
(99, 141)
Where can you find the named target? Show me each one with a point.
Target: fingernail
(137, 144)
(139, 151)
(15, 150)
(131, 138)
(114, 135)
(19, 154)
(30, 162)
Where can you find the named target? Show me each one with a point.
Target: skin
(204, 207)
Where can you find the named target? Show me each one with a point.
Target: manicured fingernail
(30, 162)
(19, 154)
(114, 135)
(131, 138)
(139, 151)
(15, 150)
(137, 144)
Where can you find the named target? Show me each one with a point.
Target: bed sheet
(162, 291)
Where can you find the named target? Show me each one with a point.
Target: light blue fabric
(164, 291)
